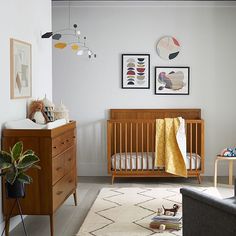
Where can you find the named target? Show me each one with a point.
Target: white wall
(206, 31)
(24, 20)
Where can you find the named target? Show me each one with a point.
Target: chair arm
(228, 205)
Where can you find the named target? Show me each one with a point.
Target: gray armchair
(205, 215)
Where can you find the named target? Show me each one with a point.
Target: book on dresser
(56, 180)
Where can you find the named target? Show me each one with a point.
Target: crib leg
(199, 178)
(112, 179)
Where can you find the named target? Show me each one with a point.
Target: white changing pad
(29, 124)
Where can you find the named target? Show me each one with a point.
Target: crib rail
(131, 147)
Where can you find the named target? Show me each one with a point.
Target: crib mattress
(138, 159)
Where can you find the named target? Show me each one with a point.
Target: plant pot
(15, 190)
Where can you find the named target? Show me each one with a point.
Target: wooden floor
(69, 218)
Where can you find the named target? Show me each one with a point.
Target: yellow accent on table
(167, 153)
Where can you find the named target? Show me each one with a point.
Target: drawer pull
(73, 136)
(58, 168)
(62, 142)
(59, 192)
(70, 181)
(55, 147)
(67, 140)
(69, 159)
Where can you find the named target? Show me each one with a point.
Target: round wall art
(168, 47)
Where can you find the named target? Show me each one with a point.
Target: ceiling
(135, 0)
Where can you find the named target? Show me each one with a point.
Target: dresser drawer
(70, 182)
(58, 168)
(63, 188)
(69, 159)
(62, 142)
(63, 164)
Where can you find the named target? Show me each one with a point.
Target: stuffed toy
(37, 113)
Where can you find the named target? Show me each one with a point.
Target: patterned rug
(128, 211)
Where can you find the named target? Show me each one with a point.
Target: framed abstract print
(21, 72)
(171, 80)
(135, 71)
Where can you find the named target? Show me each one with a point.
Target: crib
(131, 142)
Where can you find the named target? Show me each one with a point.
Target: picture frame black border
(122, 65)
(185, 67)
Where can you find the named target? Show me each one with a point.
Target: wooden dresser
(56, 181)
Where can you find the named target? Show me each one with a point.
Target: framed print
(21, 72)
(168, 48)
(171, 80)
(135, 71)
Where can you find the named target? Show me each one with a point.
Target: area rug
(128, 211)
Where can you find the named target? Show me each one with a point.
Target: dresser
(56, 180)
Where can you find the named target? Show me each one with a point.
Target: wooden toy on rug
(37, 113)
(174, 209)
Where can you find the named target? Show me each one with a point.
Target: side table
(230, 160)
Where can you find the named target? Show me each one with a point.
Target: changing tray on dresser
(56, 180)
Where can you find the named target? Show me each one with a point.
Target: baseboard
(92, 169)
(13, 223)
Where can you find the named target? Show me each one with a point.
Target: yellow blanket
(168, 153)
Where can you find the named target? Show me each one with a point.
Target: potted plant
(13, 165)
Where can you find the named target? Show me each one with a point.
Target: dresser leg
(75, 197)
(52, 224)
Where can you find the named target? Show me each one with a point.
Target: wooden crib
(131, 142)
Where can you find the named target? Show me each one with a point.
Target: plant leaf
(11, 176)
(27, 161)
(5, 160)
(29, 151)
(26, 153)
(17, 150)
(26, 179)
(5, 157)
(5, 165)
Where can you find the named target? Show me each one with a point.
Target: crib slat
(153, 138)
(142, 144)
(126, 139)
(136, 146)
(147, 146)
(202, 149)
(115, 145)
(131, 167)
(196, 149)
(120, 144)
(191, 144)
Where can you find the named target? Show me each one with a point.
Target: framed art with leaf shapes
(172, 80)
(21, 69)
